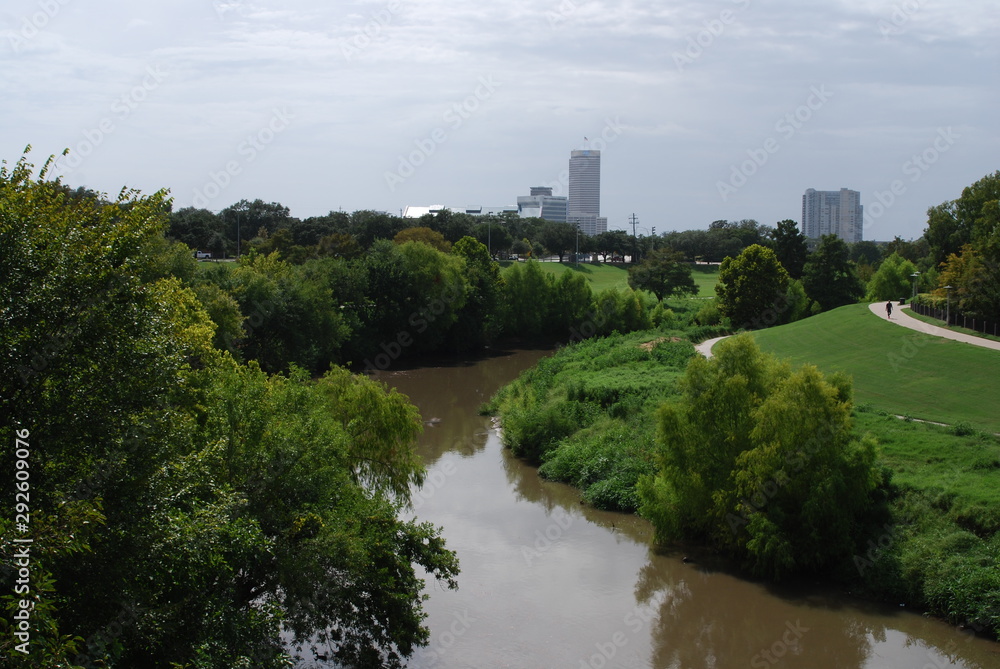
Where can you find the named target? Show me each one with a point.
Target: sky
(703, 110)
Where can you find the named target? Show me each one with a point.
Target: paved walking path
(705, 347)
(900, 317)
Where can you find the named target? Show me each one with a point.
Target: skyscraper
(831, 212)
(584, 207)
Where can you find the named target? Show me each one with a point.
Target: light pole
(947, 313)
(578, 243)
(914, 277)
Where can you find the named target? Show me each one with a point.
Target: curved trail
(899, 317)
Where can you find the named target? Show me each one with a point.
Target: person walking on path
(888, 309)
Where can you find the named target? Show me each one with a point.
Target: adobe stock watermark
(787, 641)
(786, 127)
(612, 130)
(711, 30)
(248, 150)
(120, 110)
(547, 538)
(901, 14)
(635, 620)
(223, 8)
(914, 168)
(442, 642)
(561, 13)
(372, 32)
(454, 117)
(434, 482)
(34, 24)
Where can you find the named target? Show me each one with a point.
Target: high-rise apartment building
(831, 212)
(584, 208)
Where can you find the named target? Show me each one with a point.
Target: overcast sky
(703, 110)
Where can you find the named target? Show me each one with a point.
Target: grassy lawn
(604, 276)
(896, 369)
(933, 458)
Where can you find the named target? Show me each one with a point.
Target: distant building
(542, 204)
(831, 212)
(584, 206)
(417, 211)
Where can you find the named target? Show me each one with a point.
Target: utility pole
(634, 249)
(653, 235)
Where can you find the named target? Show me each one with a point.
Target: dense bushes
(586, 412)
(760, 460)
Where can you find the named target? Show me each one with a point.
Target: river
(549, 582)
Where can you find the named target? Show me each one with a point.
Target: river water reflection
(548, 582)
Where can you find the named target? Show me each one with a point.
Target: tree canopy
(185, 507)
(829, 276)
(663, 272)
(752, 287)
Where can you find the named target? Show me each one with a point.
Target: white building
(542, 204)
(584, 206)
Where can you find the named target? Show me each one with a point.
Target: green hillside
(894, 368)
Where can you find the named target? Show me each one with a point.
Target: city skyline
(701, 111)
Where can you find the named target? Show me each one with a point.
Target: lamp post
(578, 243)
(947, 313)
(914, 277)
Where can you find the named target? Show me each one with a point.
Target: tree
(663, 272)
(829, 276)
(244, 219)
(760, 460)
(479, 318)
(430, 237)
(200, 229)
(751, 288)
(790, 247)
(558, 238)
(892, 280)
(975, 284)
(616, 242)
(495, 236)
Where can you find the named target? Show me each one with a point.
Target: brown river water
(548, 582)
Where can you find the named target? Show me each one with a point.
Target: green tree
(526, 299)
(201, 230)
(975, 284)
(430, 237)
(829, 276)
(479, 318)
(559, 238)
(751, 288)
(892, 280)
(790, 247)
(663, 272)
(760, 460)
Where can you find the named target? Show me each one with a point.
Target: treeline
(270, 226)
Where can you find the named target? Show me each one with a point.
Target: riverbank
(587, 417)
(548, 581)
